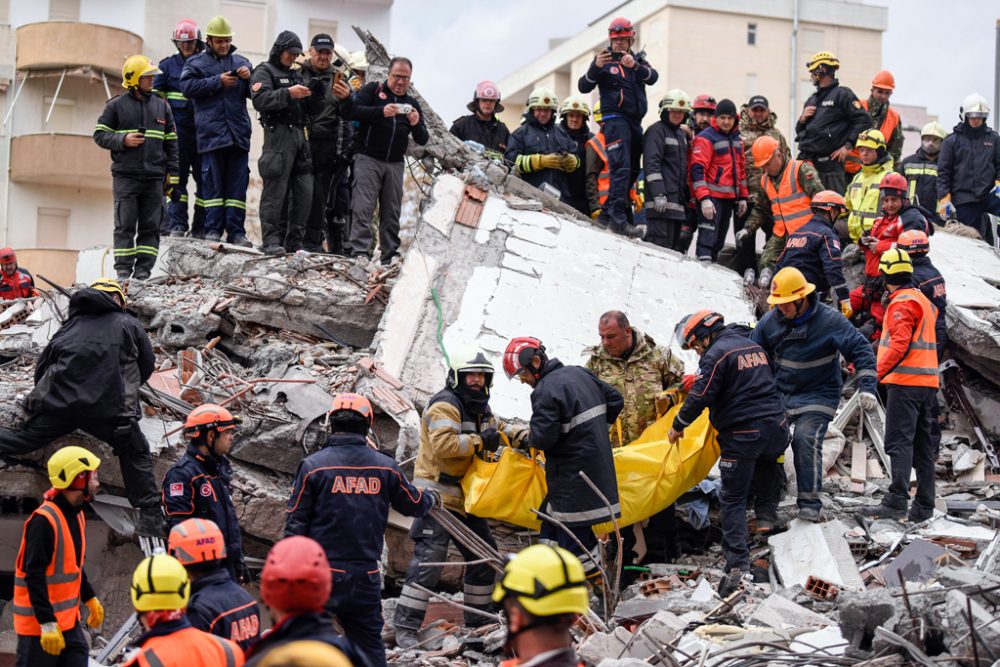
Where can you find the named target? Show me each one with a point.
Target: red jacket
(718, 165)
(17, 285)
(887, 229)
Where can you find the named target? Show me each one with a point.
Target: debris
(814, 550)
(916, 562)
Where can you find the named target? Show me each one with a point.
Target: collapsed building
(489, 258)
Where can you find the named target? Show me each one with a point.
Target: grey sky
(938, 51)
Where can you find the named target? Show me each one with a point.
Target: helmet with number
(697, 326)
(598, 117)
(763, 149)
(893, 184)
(914, 242)
(160, 583)
(675, 99)
(884, 80)
(542, 98)
(828, 200)
(209, 417)
(621, 27)
(296, 576)
(822, 59)
(135, 68)
(519, 353)
(353, 403)
(545, 580)
(974, 106)
(304, 653)
(789, 285)
(186, 30)
(575, 103)
(871, 139)
(469, 359)
(194, 541)
(109, 285)
(933, 129)
(69, 463)
(704, 102)
(895, 261)
(219, 26)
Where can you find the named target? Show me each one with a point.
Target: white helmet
(974, 106)
(675, 99)
(933, 129)
(575, 103)
(358, 61)
(542, 98)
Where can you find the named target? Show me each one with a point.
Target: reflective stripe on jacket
(907, 351)
(718, 164)
(862, 197)
(789, 202)
(604, 178)
(187, 647)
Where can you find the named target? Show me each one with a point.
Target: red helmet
(697, 326)
(355, 403)
(621, 27)
(207, 417)
(893, 181)
(196, 541)
(186, 30)
(296, 576)
(705, 102)
(914, 241)
(7, 255)
(519, 354)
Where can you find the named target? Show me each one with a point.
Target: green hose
(440, 327)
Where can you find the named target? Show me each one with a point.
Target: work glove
(52, 639)
(665, 400)
(96, 617)
(845, 308)
(660, 203)
(570, 162)
(528, 163)
(595, 214)
(741, 207)
(868, 401)
(552, 161)
(741, 236)
(687, 382)
(996, 189)
(435, 498)
(765, 278)
(867, 329)
(708, 209)
(946, 209)
(491, 439)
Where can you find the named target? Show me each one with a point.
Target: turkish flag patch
(176, 490)
(206, 489)
(257, 86)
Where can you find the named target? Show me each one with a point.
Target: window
(64, 10)
(249, 21)
(316, 26)
(751, 34)
(53, 227)
(61, 119)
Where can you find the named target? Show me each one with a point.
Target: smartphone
(616, 56)
(233, 73)
(337, 77)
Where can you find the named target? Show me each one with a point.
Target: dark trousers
(973, 214)
(664, 232)
(749, 465)
(376, 182)
(807, 447)
(712, 233)
(624, 149)
(553, 534)
(430, 545)
(189, 163)
(324, 163)
(138, 217)
(746, 254)
(225, 175)
(687, 231)
(356, 601)
(125, 439)
(910, 443)
(831, 173)
(76, 653)
(285, 166)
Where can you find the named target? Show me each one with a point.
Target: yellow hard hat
(219, 26)
(575, 103)
(893, 261)
(933, 129)
(69, 462)
(597, 116)
(305, 653)
(789, 285)
(871, 139)
(160, 583)
(136, 67)
(542, 98)
(823, 58)
(546, 581)
(109, 285)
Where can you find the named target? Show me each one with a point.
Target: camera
(233, 73)
(617, 56)
(403, 109)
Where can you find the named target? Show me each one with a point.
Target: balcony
(56, 45)
(69, 160)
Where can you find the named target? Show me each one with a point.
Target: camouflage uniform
(648, 371)
(810, 181)
(893, 143)
(749, 132)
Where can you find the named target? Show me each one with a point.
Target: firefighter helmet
(469, 359)
(186, 30)
(822, 59)
(675, 99)
(208, 417)
(697, 326)
(296, 576)
(974, 106)
(194, 541)
(68, 463)
(519, 353)
(789, 285)
(871, 139)
(219, 26)
(542, 98)
(160, 583)
(704, 102)
(914, 242)
(109, 285)
(545, 580)
(135, 68)
(933, 129)
(893, 184)
(895, 261)
(621, 27)
(575, 103)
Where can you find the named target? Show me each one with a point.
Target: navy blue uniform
(931, 283)
(306, 627)
(534, 138)
(220, 606)
(341, 498)
(168, 84)
(735, 383)
(197, 486)
(577, 180)
(814, 249)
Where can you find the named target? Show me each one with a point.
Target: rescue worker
(303, 653)
(597, 176)
(457, 424)
(665, 161)
(482, 125)
(218, 605)
(703, 108)
(138, 129)
(735, 383)
(284, 102)
(862, 198)
(620, 76)
(571, 411)
(908, 368)
(160, 592)
(88, 378)
(969, 169)
(804, 340)
(573, 115)
(540, 150)
(218, 82)
(930, 281)
(187, 39)
(831, 121)
(885, 119)
(718, 180)
(358, 62)
(921, 168)
(49, 579)
(347, 478)
(198, 485)
(15, 282)
(295, 584)
(388, 116)
(814, 249)
(543, 592)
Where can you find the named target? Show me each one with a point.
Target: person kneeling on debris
(736, 385)
(15, 282)
(341, 498)
(456, 425)
(294, 585)
(88, 378)
(218, 604)
(198, 484)
(804, 340)
(49, 581)
(543, 591)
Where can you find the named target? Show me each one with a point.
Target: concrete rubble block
(445, 198)
(861, 613)
(271, 445)
(917, 562)
(777, 612)
(622, 662)
(819, 550)
(957, 636)
(601, 645)
(677, 602)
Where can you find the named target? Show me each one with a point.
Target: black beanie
(725, 108)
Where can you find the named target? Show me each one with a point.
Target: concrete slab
(777, 612)
(804, 550)
(446, 196)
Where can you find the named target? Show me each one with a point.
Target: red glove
(688, 381)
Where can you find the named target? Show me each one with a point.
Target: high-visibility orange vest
(189, 647)
(604, 178)
(789, 202)
(919, 367)
(62, 575)
(852, 163)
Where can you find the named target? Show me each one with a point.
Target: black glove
(491, 439)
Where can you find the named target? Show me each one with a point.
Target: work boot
(312, 247)
(765, 278)
(732, 581)
(810, 514)
(151, 522)
(406, 637)
(140, 275)
(273, 249)
(748, 276)
(176, 233)
(213, 237)
(882, 512)
(768, 525)
(918, 513)
(240, 240)
(122, 277)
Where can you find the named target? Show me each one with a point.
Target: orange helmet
(519, 354)
(827, 200)
(621, 27)
(699, 325)
(914, 242)
(355, 403)
(763, 149)
(885, 80)
(208, 417)
(894, 182)
(196, 541)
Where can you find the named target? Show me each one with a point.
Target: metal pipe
(55, 96)
(104, 78)
(793, 84)
(13, 102)
(472, 610)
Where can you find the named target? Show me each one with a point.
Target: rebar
(616, 586)
(496, 618)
